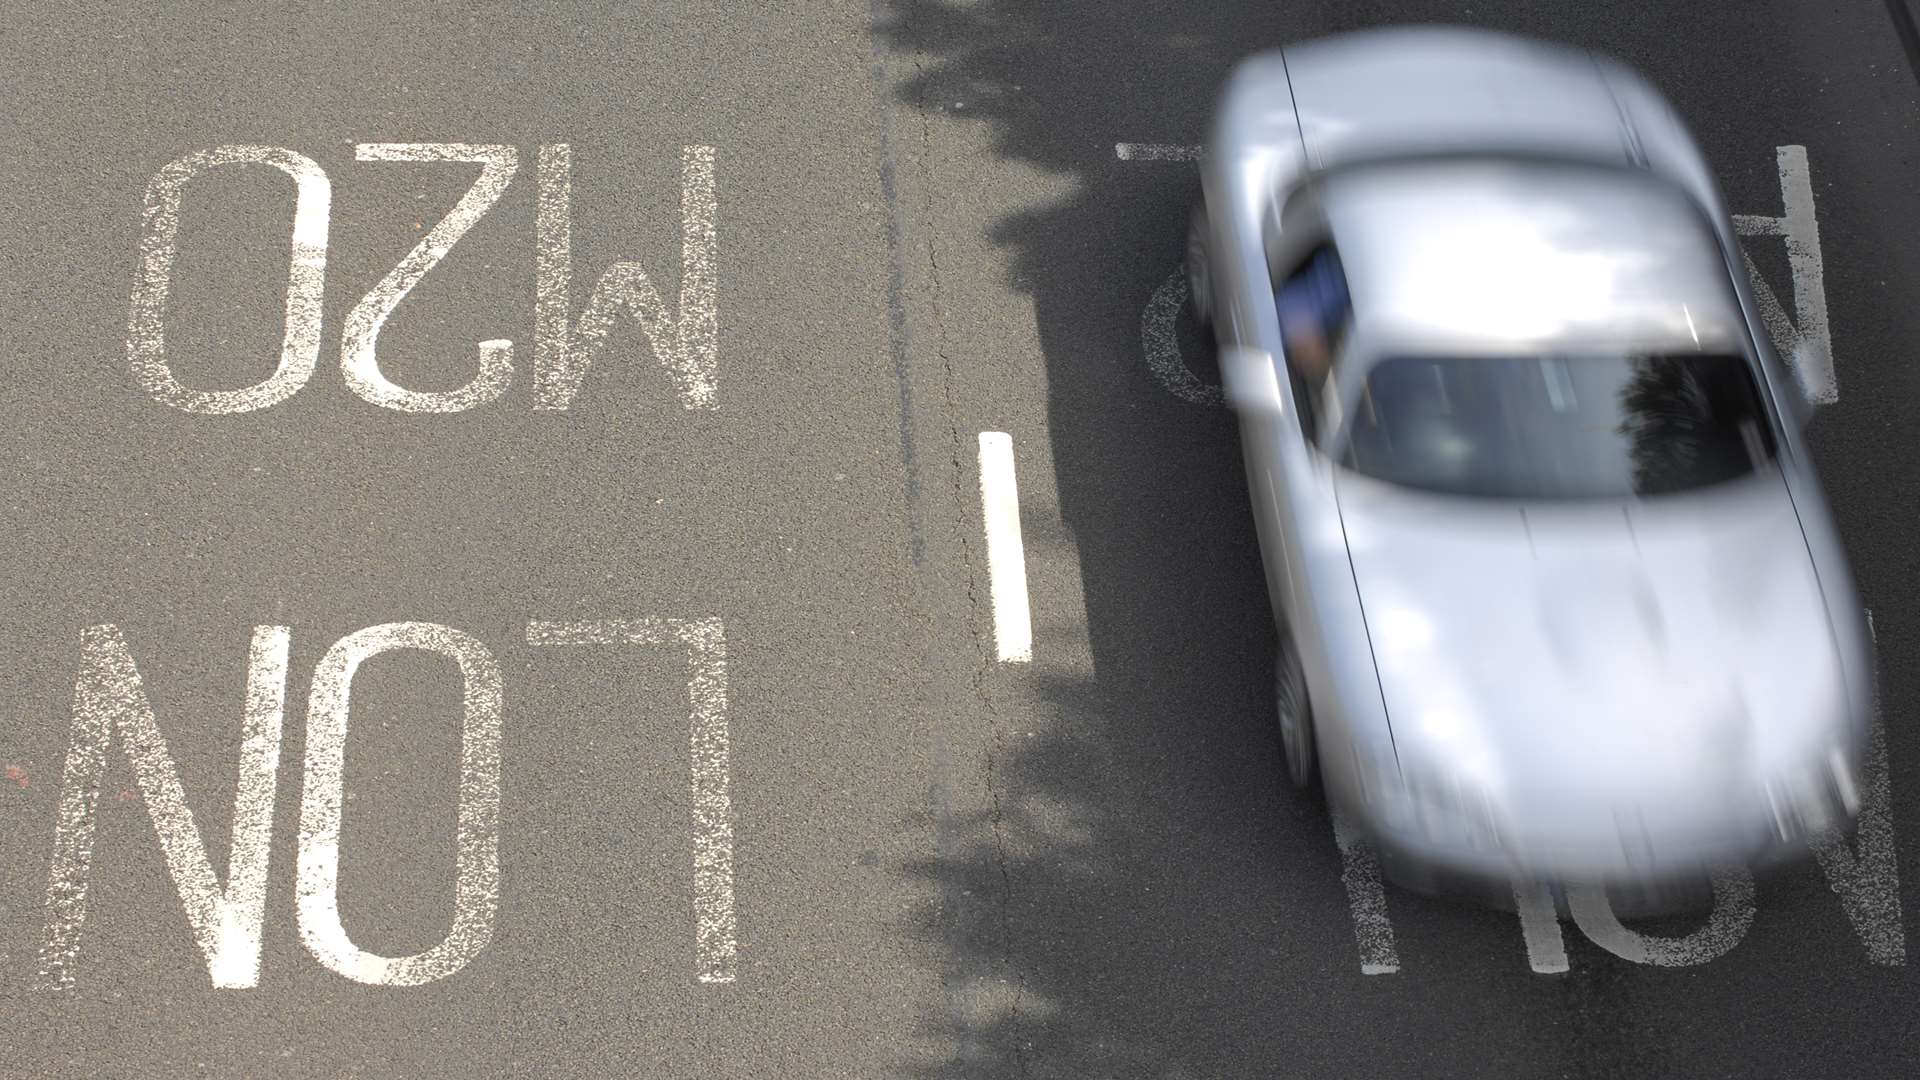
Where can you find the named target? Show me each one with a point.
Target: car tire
(1198, 270)
(1295, 714)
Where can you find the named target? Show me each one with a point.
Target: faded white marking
(1162, 345)
(109, 701)
(1759, 225)
(477, 843)
(1540, 926)
(1805, 338)
(146, 324)
(1006, 554)
(1866, 873)
(1367, 897)
(358, 360)
(1733, 911)
(688, 347)
(715, 945)
(1127, 151)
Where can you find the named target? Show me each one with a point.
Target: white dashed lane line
(1006, 556)
(1127, 151)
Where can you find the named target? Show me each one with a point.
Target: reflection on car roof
(1529, 255)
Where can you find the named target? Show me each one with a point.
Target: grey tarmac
(766, 800)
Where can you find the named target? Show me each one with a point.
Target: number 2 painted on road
(357, 357)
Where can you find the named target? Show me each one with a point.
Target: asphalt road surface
(627, 701)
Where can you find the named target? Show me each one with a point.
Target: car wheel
(1199, 273)
(1295, 713)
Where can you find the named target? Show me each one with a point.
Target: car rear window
(1550, 427)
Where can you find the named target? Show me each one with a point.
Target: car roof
(1509, 254)
(1391, 91)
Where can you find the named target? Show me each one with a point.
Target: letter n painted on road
(109, 702)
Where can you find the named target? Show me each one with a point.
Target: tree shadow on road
(1162, 904)
(1145, 863)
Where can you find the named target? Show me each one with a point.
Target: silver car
(1559, 594)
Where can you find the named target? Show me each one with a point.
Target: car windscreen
(1552, 427)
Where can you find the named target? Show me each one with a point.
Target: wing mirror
(1250, 379)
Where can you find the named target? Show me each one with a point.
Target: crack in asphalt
(977, 610)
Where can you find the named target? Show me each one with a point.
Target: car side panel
(1255, 157)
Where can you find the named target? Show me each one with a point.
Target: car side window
(1315, 311)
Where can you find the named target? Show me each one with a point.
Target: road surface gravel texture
(384, 699)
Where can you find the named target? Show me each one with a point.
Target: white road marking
(1540, 926)
(1162, 347)
(688, 347)
(357, 341)
(108, 700)
(146, 324)
(477, 843)
(1808, 345)
(1006, 555)
(715, 946)
(1866, 874)
(1127, 151)
(1360, 873)
(1733, 911)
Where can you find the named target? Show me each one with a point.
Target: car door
(1281, 445)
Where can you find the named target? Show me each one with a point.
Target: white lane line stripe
(1127, 151)
(1360, 873)
(1006, 557)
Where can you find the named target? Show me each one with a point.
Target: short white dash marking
(1360, 873)
(1127, 151)
(1759, 225)
(1006, 557)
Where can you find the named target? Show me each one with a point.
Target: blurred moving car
(1559, 594)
